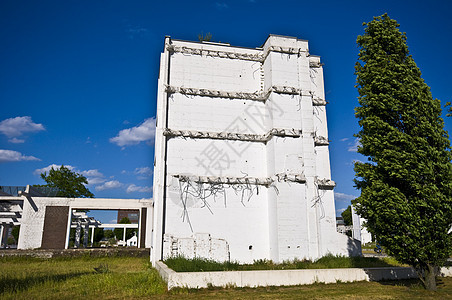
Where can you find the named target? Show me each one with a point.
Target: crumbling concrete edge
(283, 277)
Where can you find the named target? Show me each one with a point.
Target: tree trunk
(430, 277)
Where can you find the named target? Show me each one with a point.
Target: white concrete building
(359, 231)
(45, 222)
(242, 167)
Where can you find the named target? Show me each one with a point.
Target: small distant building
(340, 225)
(366, 236)
(131, 214)
(359, 230)
(133, 241)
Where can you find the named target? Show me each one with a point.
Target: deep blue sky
(73, 74)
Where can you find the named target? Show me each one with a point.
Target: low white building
(242, 167)
(45, 222)
(133, 241)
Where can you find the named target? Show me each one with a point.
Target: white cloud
(134, 188)
(343, 197)
(344, 139)
(340, 210)
(95, 180)
(10, 156)
(49, 167)
(14, 127)
(145, 132)
(92, 173)
(221, 5)
(113, 184)
(143, 171)
(94, 176)
(137, 31)
(16, 141)
(353, 147)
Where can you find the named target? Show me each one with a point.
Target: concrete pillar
(288, 224)
(356, 231)
(160, 148)
(85, 235)
(92, 236)
(78, 230)
(1, 235)
(124, 235)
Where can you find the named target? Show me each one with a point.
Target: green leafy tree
(15, 232)
(69, 183)
(10, 241)
(109, 234)
(449, 109)
(119, 232)
(406, 184)
(98, 234)
(347, 216)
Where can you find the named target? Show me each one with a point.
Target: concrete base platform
(283, 277)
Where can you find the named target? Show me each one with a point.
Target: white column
(1, 235)
(68, 229)
(356, 232)
(92, 236)
(77, 234)
(159, 169)
(85, 235)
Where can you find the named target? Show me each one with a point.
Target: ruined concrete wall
(242, 151)
(32, 221)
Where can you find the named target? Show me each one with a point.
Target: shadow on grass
(13, 285)
(412, 283)
(409, 283)
(330, 262)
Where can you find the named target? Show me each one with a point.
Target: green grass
(133, 278)
(181, 264)
(76, 278)
(369, 248)
(402, 289)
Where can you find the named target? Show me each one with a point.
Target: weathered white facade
(242, 167)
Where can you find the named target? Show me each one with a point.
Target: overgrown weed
(182, 264)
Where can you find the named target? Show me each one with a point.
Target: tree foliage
(15, 232)
(98, 234)
(119, 232)
(347, 216)
(69, 183)
(108, 233)
(406, 184)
